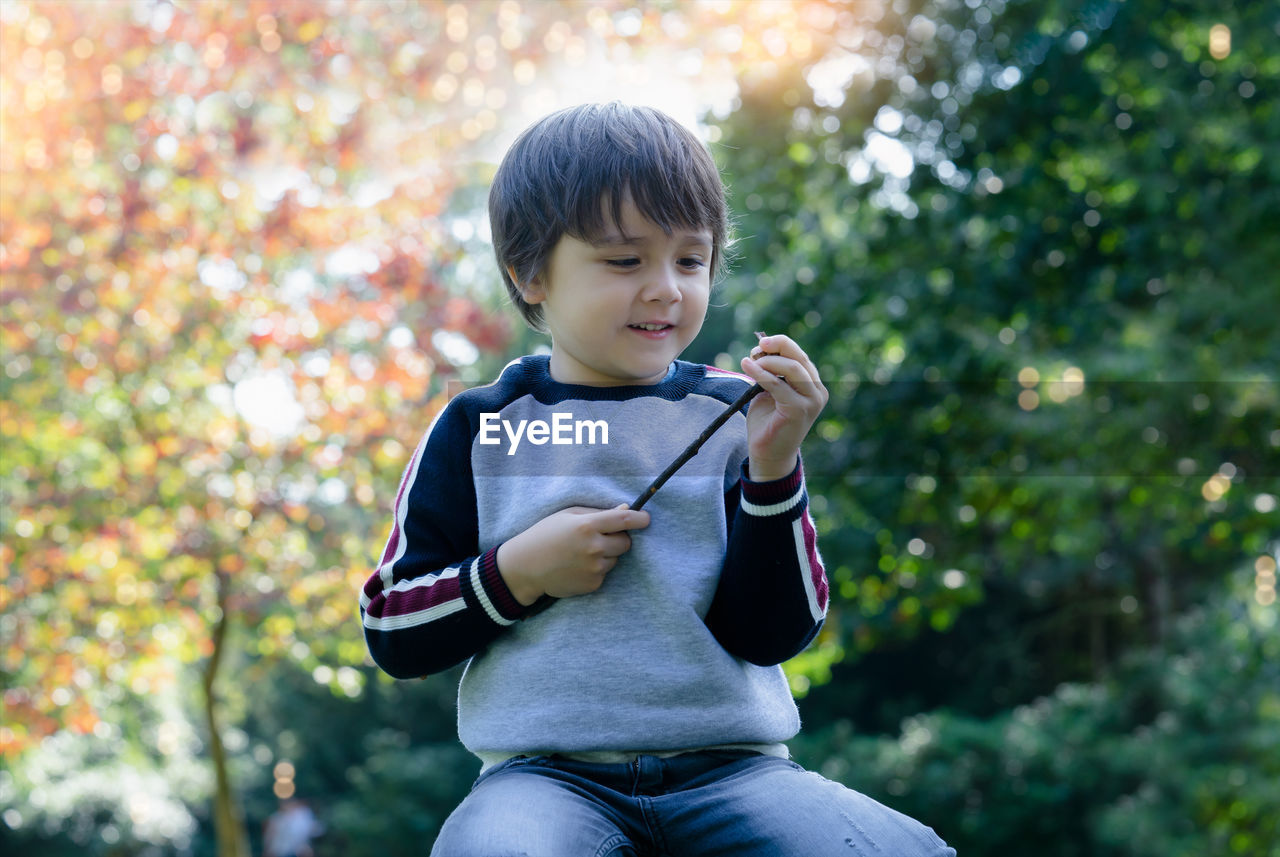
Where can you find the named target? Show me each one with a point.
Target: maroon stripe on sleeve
(768, 493)
(433, 591)
(496, 587)
(817, 572)
(401, 506)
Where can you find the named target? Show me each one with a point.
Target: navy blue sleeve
(435, 599)
(772, 596)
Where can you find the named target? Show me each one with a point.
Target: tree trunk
(228, 823)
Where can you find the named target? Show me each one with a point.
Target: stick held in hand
(692, 449)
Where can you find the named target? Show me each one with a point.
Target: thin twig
(693, 448)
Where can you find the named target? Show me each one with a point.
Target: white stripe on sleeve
(806, 569)
(773, 508)
(402, 508)
(408, 620)
(478, 587)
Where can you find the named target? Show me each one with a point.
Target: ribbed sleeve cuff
(492, 591)
(776, 497)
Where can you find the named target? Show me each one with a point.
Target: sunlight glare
(266, 401)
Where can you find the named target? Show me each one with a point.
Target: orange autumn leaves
(196, 377)
(173, 187)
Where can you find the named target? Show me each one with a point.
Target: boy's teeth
(651, 326)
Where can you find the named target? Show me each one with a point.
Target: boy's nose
(662, 286)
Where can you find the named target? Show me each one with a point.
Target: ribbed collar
(537, 378)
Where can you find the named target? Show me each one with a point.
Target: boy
(622, 687)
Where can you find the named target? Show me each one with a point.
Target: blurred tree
(223, 314)
(1173, 755)
(388, 786)
(1025, 244)
(1029, 245)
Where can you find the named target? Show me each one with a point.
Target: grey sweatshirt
(678, 649)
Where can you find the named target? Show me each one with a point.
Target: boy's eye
(692, 262)
(622, 263)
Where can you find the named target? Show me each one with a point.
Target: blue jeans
(720, 803)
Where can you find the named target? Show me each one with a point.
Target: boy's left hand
(779, 419)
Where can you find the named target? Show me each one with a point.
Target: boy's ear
(532, 292)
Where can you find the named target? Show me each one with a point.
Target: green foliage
(415, 788)
(1172, 755)
(1045, 330)
(134, 783)
(382, 772)
(1032, 257)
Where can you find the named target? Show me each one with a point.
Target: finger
(784, 366)
(621, 518)
(615, 545)
(779, 388)
(598, 566)
(811, 369)
(779, 343)
(798, 376)
(759, 350)
(785, 346)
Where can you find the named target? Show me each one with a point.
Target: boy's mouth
(652, 329)
(651, 326)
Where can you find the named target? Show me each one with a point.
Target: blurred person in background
(289, 831)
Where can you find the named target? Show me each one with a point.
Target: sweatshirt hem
(493, 758)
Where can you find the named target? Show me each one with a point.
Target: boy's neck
(680, 379)
(565, 370)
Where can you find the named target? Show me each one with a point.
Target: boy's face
(620, 310)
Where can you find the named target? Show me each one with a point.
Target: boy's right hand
(567, 553)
